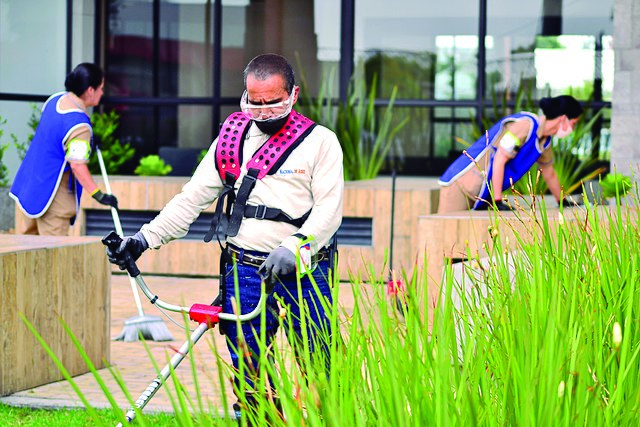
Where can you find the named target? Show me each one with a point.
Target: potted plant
(152, 165)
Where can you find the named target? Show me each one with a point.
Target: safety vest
(514, 169)
(231, 208)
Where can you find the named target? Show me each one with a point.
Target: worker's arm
(545, 163)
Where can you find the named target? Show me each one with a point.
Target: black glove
(131, 245)
(566, 203)
(281, 261)
(105, 199)
(501, 206)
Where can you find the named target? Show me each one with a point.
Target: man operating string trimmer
(283, 175)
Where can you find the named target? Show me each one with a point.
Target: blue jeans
(286, 289)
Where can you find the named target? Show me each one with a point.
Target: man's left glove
(281, 261)
(105, 199)
(132, 245)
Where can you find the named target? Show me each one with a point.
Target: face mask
(562, 132)
(273, 125)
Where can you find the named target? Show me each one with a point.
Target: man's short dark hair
(269, 64)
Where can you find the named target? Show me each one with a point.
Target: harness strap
(273, 214)
(219, 223)
(239, 207)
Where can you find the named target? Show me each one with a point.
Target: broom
(150, 328)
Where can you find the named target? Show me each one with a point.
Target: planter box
(369, 199)
(49, 278)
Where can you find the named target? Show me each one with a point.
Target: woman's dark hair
(83, 77)
(269, 64)
(563, 105)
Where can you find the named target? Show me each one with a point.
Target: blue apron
(40, 173)
(514, 169)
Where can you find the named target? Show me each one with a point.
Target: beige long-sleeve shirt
(311, 178)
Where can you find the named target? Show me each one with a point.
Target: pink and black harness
(266, 161)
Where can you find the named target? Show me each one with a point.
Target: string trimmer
(207, 316)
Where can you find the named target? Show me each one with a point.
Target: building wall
(625, 132)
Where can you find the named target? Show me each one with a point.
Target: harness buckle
(261, 212)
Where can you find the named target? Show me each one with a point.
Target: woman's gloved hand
(280, 262)
(105, 199)
(132, 246)
(566, 203)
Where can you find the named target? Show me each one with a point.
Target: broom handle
(118, 225)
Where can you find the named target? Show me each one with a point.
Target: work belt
(243, 257)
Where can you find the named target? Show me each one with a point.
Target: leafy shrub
(152, 165)
(114, 153)
(23, 146)
(615, 185)
(4, 172)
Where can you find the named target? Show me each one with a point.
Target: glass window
(307, 32)
(429, 52)
(17, 119)
(430, 139)
(129, 49)
(186, 48)
(561, 47)
(183, 50)
(32, 46)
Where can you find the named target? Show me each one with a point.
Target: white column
(625, 131)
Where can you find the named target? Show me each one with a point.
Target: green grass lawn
(18, 416)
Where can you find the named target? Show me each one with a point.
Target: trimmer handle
(113, 242)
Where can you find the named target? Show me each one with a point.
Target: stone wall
(625, 132)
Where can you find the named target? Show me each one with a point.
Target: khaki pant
(461, 194)
(56, 220)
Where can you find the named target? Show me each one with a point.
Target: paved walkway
(131, 362)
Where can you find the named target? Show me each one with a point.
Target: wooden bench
(47, 279)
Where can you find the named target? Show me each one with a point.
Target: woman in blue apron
(49, 182)
(496, 161)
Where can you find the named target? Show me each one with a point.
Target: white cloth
(310, 178)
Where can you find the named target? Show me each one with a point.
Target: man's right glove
(105, 199)
(132, 245)
(281, 261)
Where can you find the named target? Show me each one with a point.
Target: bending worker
(50, 180)
(284, 175)
(495, 162)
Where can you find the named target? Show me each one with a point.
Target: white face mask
(564, 132)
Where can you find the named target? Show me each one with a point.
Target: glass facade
(174, 67)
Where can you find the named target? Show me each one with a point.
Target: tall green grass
(546, 334)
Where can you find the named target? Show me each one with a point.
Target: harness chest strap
(265, 161)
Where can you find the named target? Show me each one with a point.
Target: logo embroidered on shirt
(291, 172)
